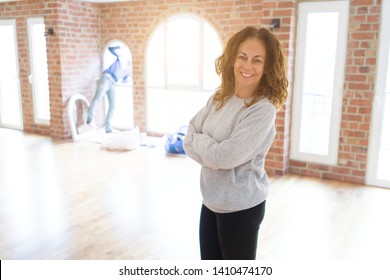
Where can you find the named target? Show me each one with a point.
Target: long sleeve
(251, 136)
(194, 127)
(231, 145)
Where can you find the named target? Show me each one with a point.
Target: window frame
(379, 99)
(201, 90)
(304, 9)
(16, 78)
(33, 73)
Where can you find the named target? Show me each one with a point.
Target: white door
(318, 86)
(39, 73)
(10, 98)
(378, 167)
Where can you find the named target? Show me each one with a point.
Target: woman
(230, 138)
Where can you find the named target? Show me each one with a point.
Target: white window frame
(341, 7)
(33, 73)
(379, 99)
(19, 126)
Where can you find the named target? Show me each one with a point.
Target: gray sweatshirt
(231, 144)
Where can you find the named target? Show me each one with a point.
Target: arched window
(123, 117)
(180, 71)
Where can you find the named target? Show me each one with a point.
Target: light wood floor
(76, 201)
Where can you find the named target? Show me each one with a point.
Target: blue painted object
(174, 143)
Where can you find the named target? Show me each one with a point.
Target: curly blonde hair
(273, 84)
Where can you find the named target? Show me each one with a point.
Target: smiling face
(249, 66)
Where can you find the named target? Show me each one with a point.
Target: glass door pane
(384, 154)
(39, 72)
(183, 52)
(10, 102)
(384, 148)
(321, 41)
(378, 167)
(318, 82)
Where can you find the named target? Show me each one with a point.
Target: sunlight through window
(180, 71)
(39, 72)
(378, 165)
(318, 83)
(10, 115)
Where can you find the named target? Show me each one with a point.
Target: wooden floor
(77, 201)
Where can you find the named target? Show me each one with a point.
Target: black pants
(230, 236)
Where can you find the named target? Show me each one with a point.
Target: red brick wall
(134, 22)
(83, 29)
(21, 11)
(357, 98)
(74, 57)
(278, 156)
(73, 54)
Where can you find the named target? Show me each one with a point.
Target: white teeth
(246, 75)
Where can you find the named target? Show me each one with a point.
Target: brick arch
(108, 42)
(184, 10)
(140, 98)
(112, 38)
